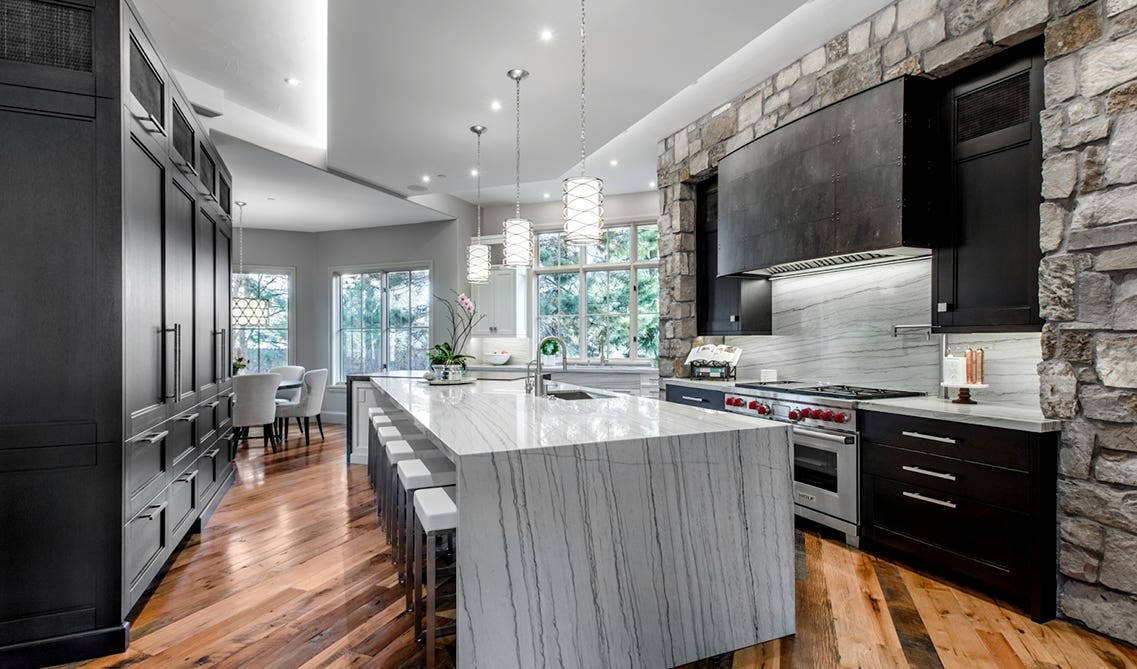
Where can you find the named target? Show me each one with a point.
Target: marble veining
(613, 532)
(836, 327)
(1027, 419)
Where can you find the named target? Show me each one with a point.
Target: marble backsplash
(837, 327)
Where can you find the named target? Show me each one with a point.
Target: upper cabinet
(502, 302)
(724, 305)
(985, 264)
(850, 178)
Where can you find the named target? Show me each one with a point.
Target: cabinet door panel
(146, 387)
(221, 291)
(179, 267)
(504, 288)
(204, 335)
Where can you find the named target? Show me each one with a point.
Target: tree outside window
(265, 346)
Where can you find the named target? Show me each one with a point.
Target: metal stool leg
(418, 584)
(431, 597)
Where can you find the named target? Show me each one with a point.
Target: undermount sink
(575, 395)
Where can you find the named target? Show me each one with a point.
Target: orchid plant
(464, 317)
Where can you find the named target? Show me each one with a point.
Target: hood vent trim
(824, 263)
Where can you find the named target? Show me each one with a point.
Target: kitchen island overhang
(619, 531)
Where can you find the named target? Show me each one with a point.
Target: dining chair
(254, 404)
(289, 373)
(310, 404)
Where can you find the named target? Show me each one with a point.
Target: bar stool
(436, 514)
(395, 452)
(402, 429)
(415, 474)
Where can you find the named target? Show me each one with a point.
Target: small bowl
(497, 358)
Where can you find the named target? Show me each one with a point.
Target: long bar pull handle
(928, 437)
(693, 399)
(226, 363)
(154, 511)
(153, 437)
(930, 500)
(188, 418)
(835, 438)
(177, 361)
(163, 331)
(928, 472)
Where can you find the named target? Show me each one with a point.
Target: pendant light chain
(518, 247)
(241, 239)
(583, 151)
(517, 145)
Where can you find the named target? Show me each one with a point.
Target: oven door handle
(825, 436)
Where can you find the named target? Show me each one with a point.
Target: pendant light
(477, 253)
(518, 231)
(247, 311)
(584, 195)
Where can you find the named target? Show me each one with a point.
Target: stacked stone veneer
(1089, 235)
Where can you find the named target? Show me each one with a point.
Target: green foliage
(443, 354)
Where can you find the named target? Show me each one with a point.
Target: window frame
(337, 376)
(632, 265)
(282, 270)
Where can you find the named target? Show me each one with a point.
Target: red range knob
(753, 405)
(793, 414)
(763, 409)
(816, 413)
(736, 401)
(839, 418)
(827, 415)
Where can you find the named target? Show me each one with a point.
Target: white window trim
(291, 273)
(334, 304)
(582, 270)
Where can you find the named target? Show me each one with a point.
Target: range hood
(849, 184)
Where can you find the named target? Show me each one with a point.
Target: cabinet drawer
(209, 471)
(222, 413)
(965, 536)
(182, 504)
(987, 445)
(697, 397)
(146, 537)
(182, 440)
(1007, 488)
(145, 461)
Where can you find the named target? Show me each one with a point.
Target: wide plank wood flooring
(292, 572)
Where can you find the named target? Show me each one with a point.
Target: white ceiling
(396, 84)
(287, 194)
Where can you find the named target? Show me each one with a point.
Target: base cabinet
(973, 502)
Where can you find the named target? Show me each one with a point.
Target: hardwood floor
(292, 572)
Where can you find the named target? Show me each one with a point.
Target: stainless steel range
(826, 443)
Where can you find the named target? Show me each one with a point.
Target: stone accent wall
(1088, 232)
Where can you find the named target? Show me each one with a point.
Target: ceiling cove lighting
(292, 81)
(518, 231)
(583, 195)
(477, 253)
(247, 311)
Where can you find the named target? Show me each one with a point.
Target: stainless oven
(826, 476)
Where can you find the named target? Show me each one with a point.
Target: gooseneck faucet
(539, 377)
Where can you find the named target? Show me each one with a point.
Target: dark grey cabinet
(222, 261)
(985, 264)
(111, 362)
(850, 178)
(724, 305)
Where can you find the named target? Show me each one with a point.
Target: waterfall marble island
(615, 531)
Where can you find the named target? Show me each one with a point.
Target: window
(265, 346)
(603, 297)
(382, 321)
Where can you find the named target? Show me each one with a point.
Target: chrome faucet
(604, 345)
(539, 377)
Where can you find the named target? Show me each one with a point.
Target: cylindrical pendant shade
(584, 210)
(249, 311)
(478, 263)
(518, 242)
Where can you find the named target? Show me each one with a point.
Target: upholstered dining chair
(310, 404)
(288, 373)
(254, 397)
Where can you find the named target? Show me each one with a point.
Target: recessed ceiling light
(651, 184)
(270, 198)
(613, 162)
(426, 178)
(546, 35)
(292, 81)
(495, 105)
(546, 196)
(474, 173)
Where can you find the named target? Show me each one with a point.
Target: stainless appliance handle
(929, 437)
(693, 399)
(928, 472)
(825, 436)
(930, 500)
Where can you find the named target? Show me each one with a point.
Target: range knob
(736, 401)
(753, 405)
(730, 401)
(826, 415)
(840, 418)
(763, 409)
(816, 413)
(793, 414)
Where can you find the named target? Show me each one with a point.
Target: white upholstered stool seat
(436, 509)
(426, 473)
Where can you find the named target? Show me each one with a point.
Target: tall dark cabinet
(114, 423)
(985, 265)
(726, 305)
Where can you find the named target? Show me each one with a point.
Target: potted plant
(447, 358)
(239, 363)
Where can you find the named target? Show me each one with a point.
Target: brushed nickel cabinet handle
(928, 437)
(928, 472)
(153, 437)
(929, 500)
(154, 511)
(187, 418)
(693, 399)
(186, 478)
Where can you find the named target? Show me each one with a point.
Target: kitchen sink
(576, 395)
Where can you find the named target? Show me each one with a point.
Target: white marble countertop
(495, 416)
(991, 414)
